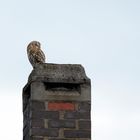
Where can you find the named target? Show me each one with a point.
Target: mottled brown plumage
(35, 54)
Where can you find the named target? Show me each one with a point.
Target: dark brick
(37, 105)
(77, 115)
(60, 139)
(84, 124)
(84, 106)
(25, 101)
(45, 114)
(44, 132)
(77, 134)
(25, 122)
(26, 137)
(83, 139)
(37, 123)
(26, 130)
(61, 124)
(26, 112)
(37, 138)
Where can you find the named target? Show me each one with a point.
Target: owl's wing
(40, 56)
(31, 57)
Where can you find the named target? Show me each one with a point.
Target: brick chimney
(57, 103)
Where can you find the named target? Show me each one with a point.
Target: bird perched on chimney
(35, 54)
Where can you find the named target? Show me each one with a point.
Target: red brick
(61, 106)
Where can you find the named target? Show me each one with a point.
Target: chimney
(57, 103)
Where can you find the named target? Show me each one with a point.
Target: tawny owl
(35, 54)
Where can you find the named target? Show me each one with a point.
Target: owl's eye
(36, 44)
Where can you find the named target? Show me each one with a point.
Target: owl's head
(34, 44)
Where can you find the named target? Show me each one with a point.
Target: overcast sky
(102, 35)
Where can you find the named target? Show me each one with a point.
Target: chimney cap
(62, 73)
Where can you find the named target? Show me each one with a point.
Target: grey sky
(102, 35)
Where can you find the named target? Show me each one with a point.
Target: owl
(35, 54)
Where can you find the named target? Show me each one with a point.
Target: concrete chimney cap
(63, 73)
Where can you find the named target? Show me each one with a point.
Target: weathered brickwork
(57, 116)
